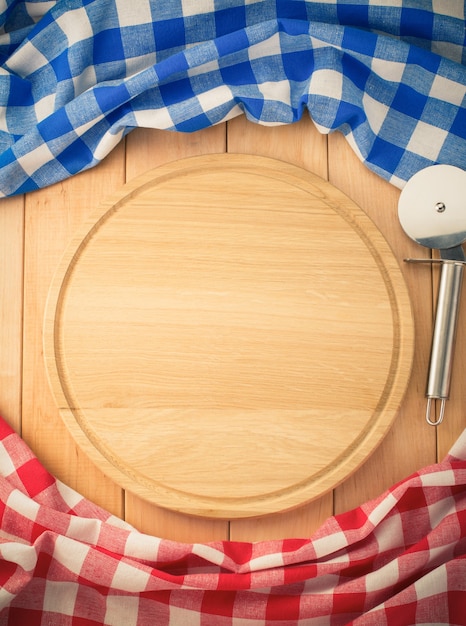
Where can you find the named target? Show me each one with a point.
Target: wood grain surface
(51, 218)
(239, 314)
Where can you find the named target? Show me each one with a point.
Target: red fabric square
(283, 607)
(401, 614)
(44, 561)
(19, 616)
(34, 477)
(234, 581)
(219, 603)
(349, 602)
(7, 570)
(457, 607)
(352, 520)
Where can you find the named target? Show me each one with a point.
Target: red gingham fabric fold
(398, 559)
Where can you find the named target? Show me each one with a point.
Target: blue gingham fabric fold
(77, 75)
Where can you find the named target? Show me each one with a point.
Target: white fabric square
(107, 143)
(37, 9)
(266, 561)
(265, 48)
(6, 598)
(210, 554)
(76, 25)
(157, 118)
(130, 578)
(427, 140)
(6, 464)
(382, 509)
(35, 159)
(70, 496)
(84, 81)
(445, 477)
(215, 97)
(376, 113)
(389, 533)
(388, 70)
(23, 555)
(83, 529)
(71, 554)
(60, 597)
(327, 83)
(142, 546)
(23, 505)
(440, 510)
(27, 56)
(180, 617)
(447, 90)
(122, 610)
(449, 50)
(279, 90)
(133, 13)
(194, 7)
(383, 578)
(432, 584)
(453, 8)
(327, 545)
(45, 107)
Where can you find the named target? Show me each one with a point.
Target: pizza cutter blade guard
(431, 213)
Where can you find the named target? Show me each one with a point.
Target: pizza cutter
(432, 212)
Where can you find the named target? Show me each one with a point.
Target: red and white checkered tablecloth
(398, 559)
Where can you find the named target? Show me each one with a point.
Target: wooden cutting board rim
(351, 458)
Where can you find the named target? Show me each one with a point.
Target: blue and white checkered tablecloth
(77, 75)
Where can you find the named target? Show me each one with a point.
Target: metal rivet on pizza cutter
(432, 212)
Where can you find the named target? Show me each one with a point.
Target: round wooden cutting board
(231, 336)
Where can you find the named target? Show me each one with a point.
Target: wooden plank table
(35, 231)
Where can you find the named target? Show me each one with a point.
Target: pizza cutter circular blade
(432, 212)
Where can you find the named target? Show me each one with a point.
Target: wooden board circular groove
(229, 336)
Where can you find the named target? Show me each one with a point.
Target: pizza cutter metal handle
(443, 340)
(431, 212)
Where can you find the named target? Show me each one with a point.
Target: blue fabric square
(193, 124)
(409, 101)
(108, 46)
(230, 20)
(359, 41)
(355, 71)
(459, 125)
(348, 117)
(61, 66)
(294, 10)
(238, 74)
(298, 66)
(230, 44)
(353, 14)
(416, 22)
(18, 92)
(176, 91)
(169, 33)
(108, 98)
(385, 155)
(252, 107)
(54, 126)
(75, 157)
(428, 61)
